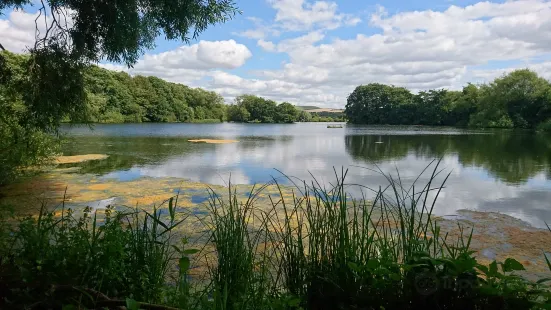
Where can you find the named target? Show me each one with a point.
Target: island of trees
(520, 99)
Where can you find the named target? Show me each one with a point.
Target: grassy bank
(320, 249)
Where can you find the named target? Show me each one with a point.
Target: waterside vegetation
(49, 85)
(319, 249)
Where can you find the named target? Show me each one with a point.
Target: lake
(491, 170)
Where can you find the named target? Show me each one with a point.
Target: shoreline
(496, 235)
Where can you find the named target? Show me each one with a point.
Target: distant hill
(313, 109)
(306, 107)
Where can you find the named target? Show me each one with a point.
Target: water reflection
(508, 156)
(503, 171)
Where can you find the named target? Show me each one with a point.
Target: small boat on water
(334, 126)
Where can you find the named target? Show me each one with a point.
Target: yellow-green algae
(79, 158)
(496, 236)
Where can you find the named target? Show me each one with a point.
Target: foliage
(319, 249)
(39, 91)
(519, 99)
(97, 33)
(254, 109)
(304, 116)
(116, 97)
(250, 108)
(238, 113)
(25, 138)
(286, 113)
(126, 254)
(326, 117)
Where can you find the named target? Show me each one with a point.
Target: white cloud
(266, 45)
(543, 69)
(260, 30)
(188, 64)
(201, 56)
(352, 21)
(418, 50)
(301, 15)
(17, 32)
(289, 45)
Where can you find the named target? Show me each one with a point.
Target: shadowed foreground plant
(121, 254)
(319, 248)
(385, 253)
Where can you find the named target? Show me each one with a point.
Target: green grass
(320, 249)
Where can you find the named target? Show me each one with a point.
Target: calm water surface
(505, 171)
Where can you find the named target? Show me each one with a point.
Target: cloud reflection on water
(503, 171)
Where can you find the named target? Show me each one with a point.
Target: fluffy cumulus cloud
(189, 64)
(17, 31)
(185, 64)
(299, 15)
(417, 49)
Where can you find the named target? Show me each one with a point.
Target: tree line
(32, 108)
(520, 99)
(117, 97)
(254, 109)
(49, 85)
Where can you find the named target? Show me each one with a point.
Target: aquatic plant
(319, 248)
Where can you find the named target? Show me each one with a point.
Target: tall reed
(319, 249)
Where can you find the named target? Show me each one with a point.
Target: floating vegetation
(310, 248)
(79, 158)
(496, 235)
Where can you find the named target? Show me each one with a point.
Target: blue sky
(316, 52)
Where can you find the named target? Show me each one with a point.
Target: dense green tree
(431, 107)
(374, 103)
(286, 113)
(238, 113)
(462, 105)
(260, 109)
(304, 116)
(519, 99)
(250, 108)
(49, 86)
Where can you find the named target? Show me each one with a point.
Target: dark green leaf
(131, 304)
(190, 251)
(184, 264)
(512, 264)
